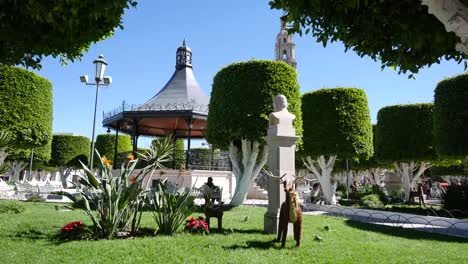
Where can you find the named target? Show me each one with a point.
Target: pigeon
(326, 228)
(318, 238)
(246, 218)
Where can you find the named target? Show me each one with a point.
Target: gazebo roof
(179, 103)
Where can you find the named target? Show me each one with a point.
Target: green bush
(35, 198)
(68, 150)
(242, 99)
(456, 197)
(371, 201)
(337, 122)
(105, 145)
(11, 207)
(404, 133)
(450, 117)
(26, 107)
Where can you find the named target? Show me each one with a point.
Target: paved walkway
(441, 225)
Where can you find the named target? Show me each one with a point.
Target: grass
(26, 238)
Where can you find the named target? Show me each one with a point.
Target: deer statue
(214, 211)
(417, 193)
(290, 211)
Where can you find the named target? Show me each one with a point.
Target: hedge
(242, 99)
(105, 144)
(405, 133)
(451, 117)
(337, 122)
(68, 150)
(26, 107)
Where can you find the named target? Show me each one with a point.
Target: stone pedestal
(281, 141)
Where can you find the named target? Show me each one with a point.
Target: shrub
(11, 207)
(26, 108)
(243, 93)
(74, 231)
(371, 201)
(456, 197)
(197, 226)
(35, 198)
(337, 122)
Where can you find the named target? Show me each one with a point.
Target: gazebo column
(135, 137)
(174, 150)
(116, 144)
(187, 159)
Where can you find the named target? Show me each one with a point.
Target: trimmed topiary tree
(451, 118)
(26, 108)
(404, 136)
(67, 153)
(241, 100)
(105, 144)
(336, 124)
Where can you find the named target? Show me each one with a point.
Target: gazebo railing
(200, 159)
(192, 105)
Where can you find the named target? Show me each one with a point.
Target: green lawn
(26, 238)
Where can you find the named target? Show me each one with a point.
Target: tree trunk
(15, 170)
(410, 173)
(453, 14)
(246, 167)
(323, 173)
(64, 173)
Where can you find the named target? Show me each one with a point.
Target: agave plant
(111, 196)
(170, 209)
(118, 201)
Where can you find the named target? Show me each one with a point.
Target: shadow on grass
(256, 244)
(247, 231)
(30, 234)
(404, 232)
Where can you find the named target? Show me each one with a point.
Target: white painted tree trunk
(454, 16)
(322, 170)
(410, 173)
(15, 169)
(3, 155)
(246, 167)
(376, 176)
(64, 173)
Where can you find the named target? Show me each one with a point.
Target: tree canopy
(399, 33)
(405, 133)
(451, 118)
(68, 150)
(242, 99)
(31, 30)
(105, 144)
(337, 122)
(26, 107)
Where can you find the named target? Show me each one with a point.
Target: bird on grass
(246, 218)
(318, 238)
(326, 228)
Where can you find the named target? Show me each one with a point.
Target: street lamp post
(100, 80)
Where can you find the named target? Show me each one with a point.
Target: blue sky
(142, 58)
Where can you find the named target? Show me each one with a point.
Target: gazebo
(180, 108)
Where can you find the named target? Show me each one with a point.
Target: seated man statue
(211, 191)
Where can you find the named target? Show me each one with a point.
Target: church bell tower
(285, 46)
